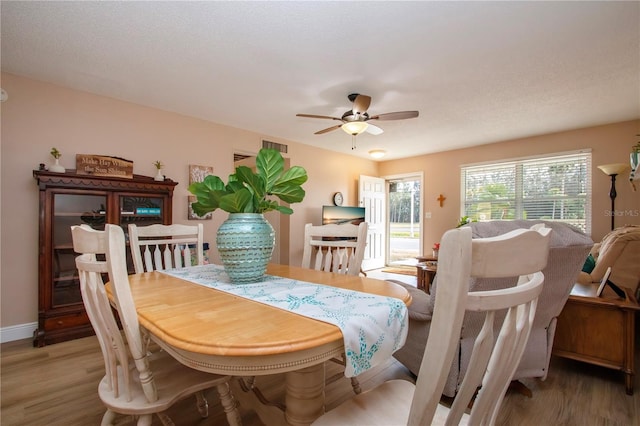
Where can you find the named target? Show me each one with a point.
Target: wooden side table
(598, 330)
(425, 275)
(422, 259)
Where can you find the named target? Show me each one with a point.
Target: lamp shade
(614, 169)
(354, 127)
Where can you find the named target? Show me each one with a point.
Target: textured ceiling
(478, 72)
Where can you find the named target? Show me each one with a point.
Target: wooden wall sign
(100, 165)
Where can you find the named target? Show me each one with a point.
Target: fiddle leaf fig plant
(248, 191)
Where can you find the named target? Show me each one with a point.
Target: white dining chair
(335, 248)
(520, 253)
(136, 382)
(339, 249)
(159, 247)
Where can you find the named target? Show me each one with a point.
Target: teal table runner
(373, 326)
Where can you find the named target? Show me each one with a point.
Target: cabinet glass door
(141, 211)
(68, 210)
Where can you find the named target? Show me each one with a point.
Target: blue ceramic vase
(245, 243)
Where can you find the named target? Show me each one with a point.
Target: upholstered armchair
(619, 250)
(568, 250)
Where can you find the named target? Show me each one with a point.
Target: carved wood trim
(70, 179)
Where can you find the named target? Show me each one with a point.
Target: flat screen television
(342, 214)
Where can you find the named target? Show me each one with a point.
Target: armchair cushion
(589, 264)
(422, 304)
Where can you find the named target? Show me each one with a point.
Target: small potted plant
(56, 167)
(245, 240)
(159, 176)
(465, 220)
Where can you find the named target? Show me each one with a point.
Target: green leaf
(266, 205)
(255, 182)
(234, 186)
(284, 210)
(200, 209)
(237, 202)
(208, 194)
(289, 194)
(270, 165)
(209, 183)
(296, 175)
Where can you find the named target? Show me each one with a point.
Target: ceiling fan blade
(374, 130)
(361, 104)
(400, 115)
(318, 116)
(327, 130)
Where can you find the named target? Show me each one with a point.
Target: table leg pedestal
(304, 398)
(305, 395)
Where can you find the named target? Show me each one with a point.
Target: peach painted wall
(609, 144)
(39, 116)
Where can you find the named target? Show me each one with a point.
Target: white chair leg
(229, 404)
(145, 420)
(108, 418)
(203, 406)
(166, 420)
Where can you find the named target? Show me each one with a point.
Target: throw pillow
(589, 264)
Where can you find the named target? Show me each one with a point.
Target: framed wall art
(197, 174)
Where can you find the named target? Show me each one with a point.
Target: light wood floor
(57, 385)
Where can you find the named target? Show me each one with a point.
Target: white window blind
(550, 188)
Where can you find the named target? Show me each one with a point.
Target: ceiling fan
(356, 120)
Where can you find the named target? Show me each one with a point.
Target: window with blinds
(550, 188)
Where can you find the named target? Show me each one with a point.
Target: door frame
(401, 176)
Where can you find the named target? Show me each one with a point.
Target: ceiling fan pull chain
(353, 142)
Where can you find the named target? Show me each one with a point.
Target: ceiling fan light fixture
(354, 127)
(377, 153)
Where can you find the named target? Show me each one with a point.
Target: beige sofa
(568, 251)
(620, 250)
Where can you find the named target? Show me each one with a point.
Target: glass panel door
(68, 210)
(140, 210)
(404, 220)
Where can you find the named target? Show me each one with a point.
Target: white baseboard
(17, 332)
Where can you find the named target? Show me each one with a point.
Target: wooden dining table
(214, 331)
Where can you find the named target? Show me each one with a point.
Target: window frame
(515, 189)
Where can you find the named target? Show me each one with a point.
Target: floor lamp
(613, 170)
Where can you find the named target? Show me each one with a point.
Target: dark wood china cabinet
(68, 199)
